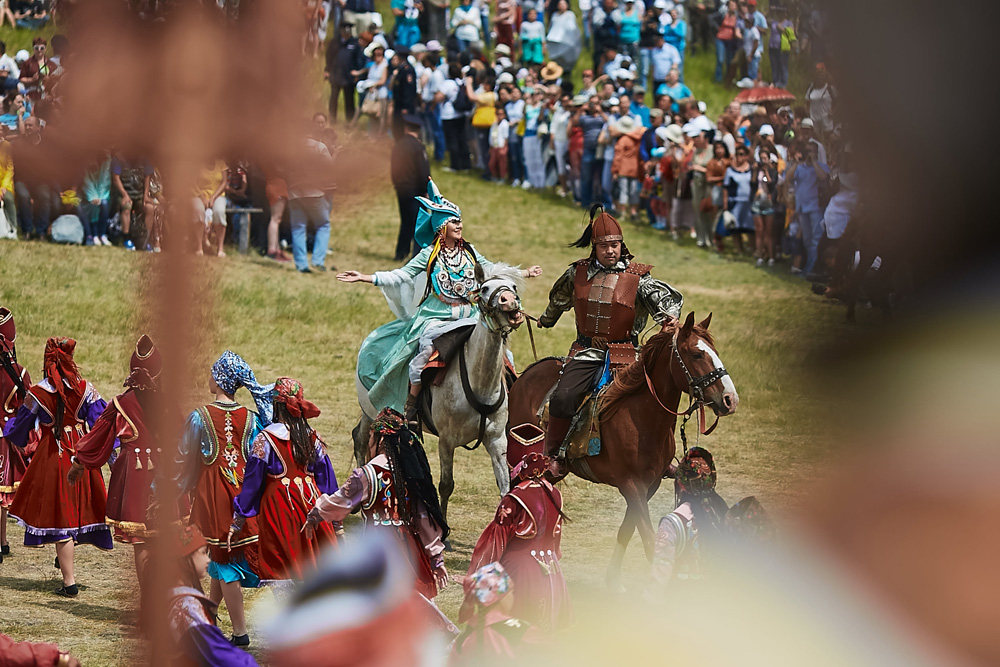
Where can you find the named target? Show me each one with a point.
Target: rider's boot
(410, 409)
(555, 433)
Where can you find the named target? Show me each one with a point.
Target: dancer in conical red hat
(65, 407)
(14, 383)
(125, 426)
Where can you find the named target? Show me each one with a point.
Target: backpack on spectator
(606, 33)
(462, 103)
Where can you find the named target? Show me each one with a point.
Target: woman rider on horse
(444, 271)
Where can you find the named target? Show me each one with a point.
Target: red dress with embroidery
(13, 461)
(130, 488)
(289, 491)
(50, 508)
(524, 537)
(230, 431)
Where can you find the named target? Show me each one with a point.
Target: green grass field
(310, 327)
(766, 325)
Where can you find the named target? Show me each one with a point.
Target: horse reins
(696, 393)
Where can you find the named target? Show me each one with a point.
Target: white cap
(614, 101)
(522, 73)
(433, 45)
(389, 53)
(22, 55)
(504, 62)
(692, 130)
(807, 124)
(766, 131)
(418, 48)
(505, 77)
(702, 107)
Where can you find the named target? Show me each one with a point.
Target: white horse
(473, 409)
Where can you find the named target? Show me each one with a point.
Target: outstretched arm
(560, 298)
(661, 300)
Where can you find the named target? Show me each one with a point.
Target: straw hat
(551, 72)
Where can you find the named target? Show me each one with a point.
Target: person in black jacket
(404, 91)
(410, 173)
(344, 61)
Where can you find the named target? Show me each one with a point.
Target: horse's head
(499, 302)
(697, 366)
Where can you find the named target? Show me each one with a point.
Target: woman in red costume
(287, 472)
(213, 453)
(122, 438)
(65, 406)
(395, 492)
(14, 383)
(524, 537)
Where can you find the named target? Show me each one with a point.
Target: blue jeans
(435, 131)
(607, 183)
(811, 226)
(302, 212)
(779, 67)
(515, 152)
(587, 176)
(486, 31)
(753, 65)
(723, 56)
(94, 218)
(463, 45)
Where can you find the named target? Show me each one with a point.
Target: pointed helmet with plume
(435, 212)
(601, 228)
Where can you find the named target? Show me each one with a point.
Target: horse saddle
(584, 437)
(447, 347)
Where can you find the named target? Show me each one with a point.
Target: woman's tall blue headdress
(435, 212)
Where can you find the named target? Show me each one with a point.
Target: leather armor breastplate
(605, 304)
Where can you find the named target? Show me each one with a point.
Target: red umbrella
(764, 94)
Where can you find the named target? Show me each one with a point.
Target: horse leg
(495, 441)
(625, 532)
(360, 434)
(644, 523)
(446, 483)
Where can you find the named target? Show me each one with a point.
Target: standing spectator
(806, 174)
(484, 116)
(764, 180)
(431, 80)
(308, 203)
(130, 180)
(484, 11)
(665, 58)
(559, 131)
(344, 62)
(36, 197)
(807, 132)
(532, 40)
(407, 13)
(410, 172)
(359, 14)
(437, 20)
(237, 192)
(534, 165)
(498, 146)
(780, 34)
(752, 46)
(822, 100)
(586, 16)
(210, 206)
(673, 89)
(651, 29)
(626, 165)
(630, 30)
(606, 31)
(515, 114)
(726, 40)
(682, 210)
(96, 201)
(590, 118)
(736, 195)
(404, 90)
(503, 22)
(36, 68)
(276, 190)
(466, 21)
(675, 34)
(375, 90)
(454, 119)
(701, 196)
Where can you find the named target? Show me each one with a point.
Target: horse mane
(505, 271)
(632, 378)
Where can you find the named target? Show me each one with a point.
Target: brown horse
(638, 418)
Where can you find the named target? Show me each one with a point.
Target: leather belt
(602, 343)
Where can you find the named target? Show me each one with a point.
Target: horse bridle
(489, 308)
(697, 385)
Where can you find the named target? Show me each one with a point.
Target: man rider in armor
(613, 297)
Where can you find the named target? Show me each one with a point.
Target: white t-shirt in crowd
(464, 31)
(498, 133)
(450, 91)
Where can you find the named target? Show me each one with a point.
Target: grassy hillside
(310, 327)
